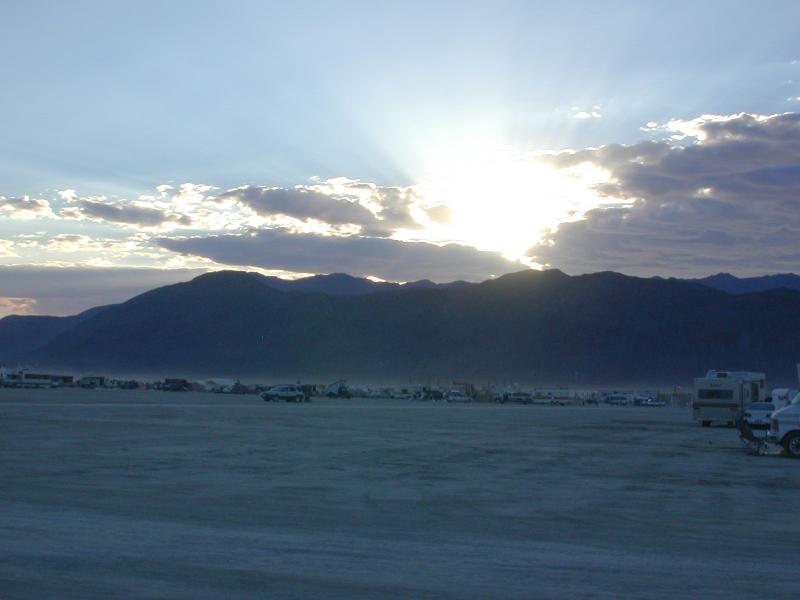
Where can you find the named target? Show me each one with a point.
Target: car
(520, 398)
(288, 393)
(457, 396)
(654, 402)
(617, 400)
(758, 414)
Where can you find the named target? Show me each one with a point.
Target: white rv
(722, 395)
(22, 378)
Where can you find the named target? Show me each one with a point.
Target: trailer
(722, 395)
(22, 378)
(559, 396)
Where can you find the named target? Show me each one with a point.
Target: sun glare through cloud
(502, 200)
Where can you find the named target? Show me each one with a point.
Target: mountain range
(540, 327)
(746, 285)
(20, 335)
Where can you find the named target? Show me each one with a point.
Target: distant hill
(341, 284)
(748, 285)
(22, 334)
(538, 327)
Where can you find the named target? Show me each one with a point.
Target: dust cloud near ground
(122, 494)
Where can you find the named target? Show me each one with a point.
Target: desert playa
(120, 494)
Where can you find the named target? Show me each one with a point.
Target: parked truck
(722, 395)
(785, 428)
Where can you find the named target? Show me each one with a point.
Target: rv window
(715, 394)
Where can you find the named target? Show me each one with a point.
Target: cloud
(72, 242)
(137, 213)
(395, 206)
(377, 210)
(361, 256)
(24, 207)
(335, 206)
(193, 193)
(80, 250)
(726, 196)
(126, 214)
(441, 214)
(715, 192)
(68, 195)
(302, 203)
(593, 113)
(7, 248)
(17, 306)
(185, 206)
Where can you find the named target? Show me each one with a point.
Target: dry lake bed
(129, 494)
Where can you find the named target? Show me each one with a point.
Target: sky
(143, 143)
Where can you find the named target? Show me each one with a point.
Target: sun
(505, 201)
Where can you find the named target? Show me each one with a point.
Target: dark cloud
(723, 202)
(359, 256)
(780, 129)
(335, 209)
(302, 203)
(783, 176)
(68, 290)
(132, 215)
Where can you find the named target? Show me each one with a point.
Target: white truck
(722, 395)
(784, 428)
(784, 425)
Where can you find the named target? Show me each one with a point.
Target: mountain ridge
(526, 326)
(22, 334)
(747, 285)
